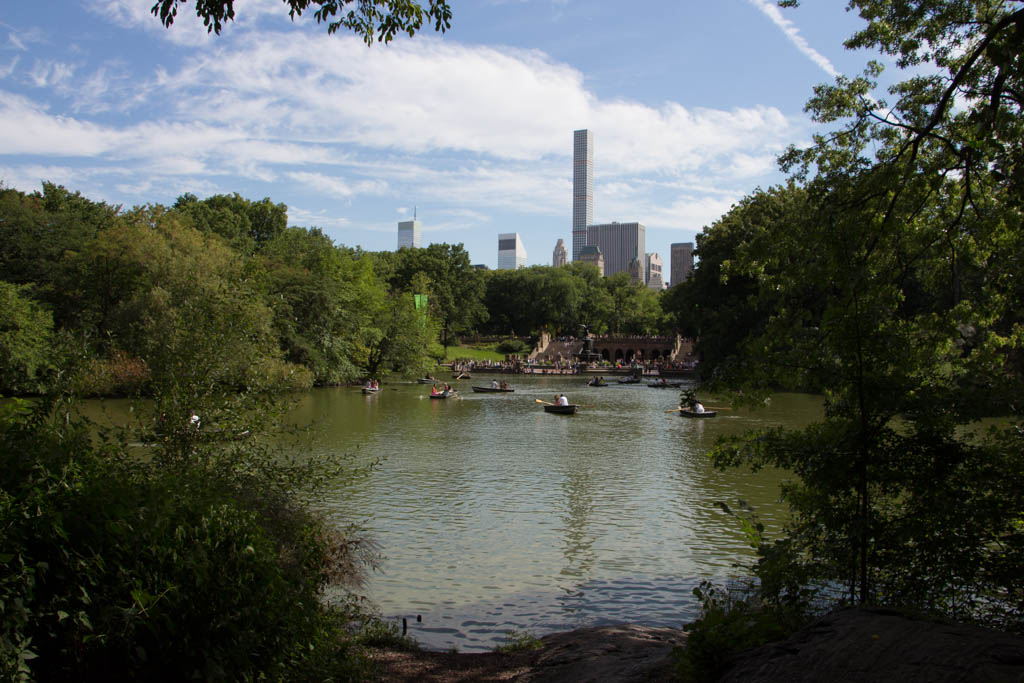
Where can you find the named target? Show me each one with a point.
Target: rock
(626, 652)
(883, 646)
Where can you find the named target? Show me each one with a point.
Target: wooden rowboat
(561, 410)
(442, 394)
(690, 413)
(370, 390)
(491, 390)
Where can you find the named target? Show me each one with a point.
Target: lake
(494, 516)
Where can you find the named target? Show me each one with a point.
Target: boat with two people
(496, 387)
(690, 406)
(372, 386)
(443, 392)
(597, 382)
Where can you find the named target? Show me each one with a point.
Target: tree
(383, 18)
(893, 290)
(457, 288)
(26, 344)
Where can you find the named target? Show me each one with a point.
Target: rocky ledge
(856, 644)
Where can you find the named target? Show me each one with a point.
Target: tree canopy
(366, 18)
(885, 276)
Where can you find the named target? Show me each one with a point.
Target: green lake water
(494, 516)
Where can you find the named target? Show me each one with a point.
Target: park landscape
(881, 280)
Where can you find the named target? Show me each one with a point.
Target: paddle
(547, 403)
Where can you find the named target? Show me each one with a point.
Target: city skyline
(689, 112)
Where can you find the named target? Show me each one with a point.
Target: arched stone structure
(627, 349)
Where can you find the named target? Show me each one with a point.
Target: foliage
(455, 287)
(382, 17)
(118, 376)
(378, 633)
(512, 346)
(206, 567)
(520, 641)
(26, 341)
(731, 620)
(885, 277)
(561, 300)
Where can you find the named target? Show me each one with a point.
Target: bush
(731, 620)
(512, 346)
(120, 375)
(123, 570)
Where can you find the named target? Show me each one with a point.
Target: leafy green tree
(722, 303)
(38, 232)
(26, 341)
(893, 290)
(247, 225)
(457, 289)
(384, 18)
(325, 300)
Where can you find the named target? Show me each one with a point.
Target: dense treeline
(112, 296)
(886, 275)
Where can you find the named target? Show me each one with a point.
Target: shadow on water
(495, 516)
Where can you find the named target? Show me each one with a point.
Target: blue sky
(689, 102)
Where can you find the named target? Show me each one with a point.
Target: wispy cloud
(771, 10)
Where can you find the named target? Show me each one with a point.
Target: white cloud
(772, 11)
(337, 187)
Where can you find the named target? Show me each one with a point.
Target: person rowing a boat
(560, 399)
(494, 384)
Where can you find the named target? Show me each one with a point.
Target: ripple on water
(494, 516)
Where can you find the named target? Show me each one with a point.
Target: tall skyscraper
(409, 233)
(582, 189)
(620, 243)
(511, 252)
(682, 261)
(560, 256)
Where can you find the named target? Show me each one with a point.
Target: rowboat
(426, 380)
(629, 380)
(492, 390)
(665, 385)
(561, 410)
(689, 413)
(442, 394)
(597, 383)
(370, 390)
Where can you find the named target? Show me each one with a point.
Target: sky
(689, 103)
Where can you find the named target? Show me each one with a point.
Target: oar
(675, 410)
(547, 403)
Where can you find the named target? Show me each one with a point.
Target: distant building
(409, 234)
(511, 252)
(480, 266)
(620, 244)
(682, 261)
(582, 189)
(560, 256)
(636, 272)
(652, 267)
(592, 254)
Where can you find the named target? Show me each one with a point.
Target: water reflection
(494, 515)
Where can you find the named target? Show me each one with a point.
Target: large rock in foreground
(878, 645)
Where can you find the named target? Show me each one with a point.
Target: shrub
(512, 346)
(161, 571)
